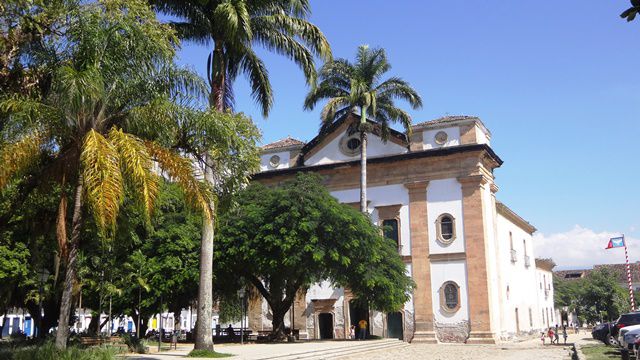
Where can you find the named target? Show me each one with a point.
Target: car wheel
(611, 340)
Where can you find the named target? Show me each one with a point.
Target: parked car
(627, 337)
(625, 320)
(602, 332)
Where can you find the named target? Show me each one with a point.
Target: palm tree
(360, 87)
(114, 77)
(234, 28)
(630, 13)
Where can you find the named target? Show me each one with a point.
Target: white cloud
(582, 248)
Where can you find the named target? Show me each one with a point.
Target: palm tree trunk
(204, 333)
(70, 273)
(204, 309)
(363, 161)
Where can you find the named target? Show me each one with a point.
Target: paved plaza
(524, 350)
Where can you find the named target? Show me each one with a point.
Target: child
(542, 337)
(352, 332)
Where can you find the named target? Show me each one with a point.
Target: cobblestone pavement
(525, 350)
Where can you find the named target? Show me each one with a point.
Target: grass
(47, 351)
(600, 352)
(202, 353)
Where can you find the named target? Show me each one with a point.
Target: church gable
(338, 144)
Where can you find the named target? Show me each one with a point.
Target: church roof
(283, 143)
(446, 120)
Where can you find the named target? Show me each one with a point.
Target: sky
(556, 83)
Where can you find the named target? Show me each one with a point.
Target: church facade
(470, 256)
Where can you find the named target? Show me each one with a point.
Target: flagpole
(626, 255)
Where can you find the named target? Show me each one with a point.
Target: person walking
(564, 334)
(542, 337)
(557, 335)
(363, 329)
(550, 335)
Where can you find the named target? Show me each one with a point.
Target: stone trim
(447, 257)
(439, 237)
(475, 247)
(391, 212)
(510, 215)
(421, 267)
(443, 304)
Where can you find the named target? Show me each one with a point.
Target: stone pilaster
(420, 265)
(476, 252)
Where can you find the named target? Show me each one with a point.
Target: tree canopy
(284, 239)
(596, 297)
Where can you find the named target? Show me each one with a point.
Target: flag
(615, 243)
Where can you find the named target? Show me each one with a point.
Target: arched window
(450, 297)
(445, 229)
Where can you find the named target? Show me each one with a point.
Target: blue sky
(556, 82)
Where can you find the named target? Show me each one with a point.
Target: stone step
(349, 348)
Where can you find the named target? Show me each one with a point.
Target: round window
(441, 137)
(350, 145)
(353, 144)
(274, 161)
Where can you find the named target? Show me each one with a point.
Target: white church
(471, 256)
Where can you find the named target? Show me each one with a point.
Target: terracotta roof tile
(446, 119)
(286, 142)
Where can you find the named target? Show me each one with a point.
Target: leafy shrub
(134, 343)
(48, 351)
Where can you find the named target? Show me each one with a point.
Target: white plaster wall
(324, 290)
(489, 212)
(383, 196)
(331, 153)
(522, 281)
(442, 272)
(429, 141)
(284, 161)
(445, 196)
(545, 302)
(409, 304)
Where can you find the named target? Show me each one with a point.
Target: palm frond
(258, 75)
(16, 157)
(102, 178)
(137, 166)
(181, 170)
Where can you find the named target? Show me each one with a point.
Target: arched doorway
(325, 325)
(394, 326)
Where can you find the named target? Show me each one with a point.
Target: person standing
(352, 332)
(556, 333)
(550, 335)
(363, 329)
(564, 334)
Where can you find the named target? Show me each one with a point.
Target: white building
(470, 255)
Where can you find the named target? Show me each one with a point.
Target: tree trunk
(203, 330)
(204, 333)
(363, 161)
(70, 273)
(278, 323)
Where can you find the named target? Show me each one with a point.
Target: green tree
(282, 240)
(601, 295)
(631, 12)
(359, 86)
(234, 29)
(115, 65)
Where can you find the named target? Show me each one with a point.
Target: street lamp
(42, 276)
(241, 294)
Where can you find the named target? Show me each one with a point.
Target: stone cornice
(447, 257)
(386, 159)
(503, 210)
